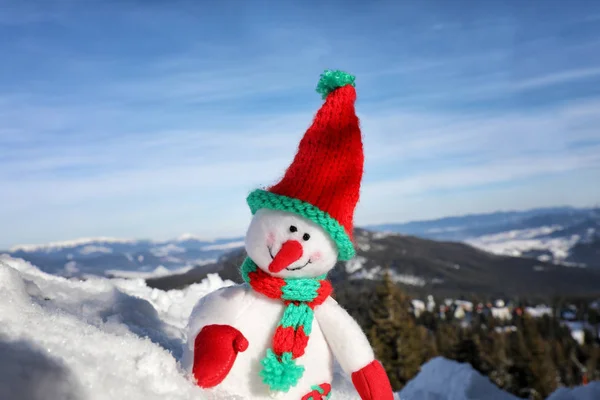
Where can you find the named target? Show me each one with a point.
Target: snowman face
(271, 231)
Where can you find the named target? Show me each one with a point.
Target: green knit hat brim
(263, 199)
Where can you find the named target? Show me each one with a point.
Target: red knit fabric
(290, 340)
(266, 284)
(328, 166)
(323, 293)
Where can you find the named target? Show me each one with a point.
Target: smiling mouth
(288, 268)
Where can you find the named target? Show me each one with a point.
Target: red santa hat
(323, 182)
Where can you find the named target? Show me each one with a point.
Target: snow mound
(102, 339)
(588, 392)
(98, 339)
(442, 379)
(517, 242)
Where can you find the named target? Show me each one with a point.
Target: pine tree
(446, 340)
(543, 371)
(495, 359)
(468, 349)
(520, 360)
(393, 333)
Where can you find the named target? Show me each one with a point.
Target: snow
(539, 311)
(190, 236)
(164, 251)
(418, 306)
(156, 273)
(371, 274)
(355, 264)
(588, 392)
(98, 339)
(102, 339)
(407, 279)
(53, 246)
(578, 329)
(383, 235)
(517, 242)
(71, 268)
(501, 313)
(505, 329)
(224, 246)
(91, 249)
(377, 272)
(442, 379)
(465, 305)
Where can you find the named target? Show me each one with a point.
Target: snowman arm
(345, 337)
(353, 351)
(221, 308)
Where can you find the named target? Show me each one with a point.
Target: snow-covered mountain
(124, 257)
(562, 235)
(424, 266)
(97, 339)
(569, 236)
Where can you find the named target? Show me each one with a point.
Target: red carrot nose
(290, 252)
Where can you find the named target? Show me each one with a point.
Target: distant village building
(418, 307)
(503, 313)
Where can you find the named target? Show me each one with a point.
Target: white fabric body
(257, 316)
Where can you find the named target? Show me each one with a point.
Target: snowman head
(287, 245)
(303, 224)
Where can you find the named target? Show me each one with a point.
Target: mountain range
(424, 266)
(561, 234)
(548, 250)
(124, 257)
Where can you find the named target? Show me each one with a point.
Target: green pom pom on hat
(333, 79)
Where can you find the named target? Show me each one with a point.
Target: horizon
(163, 123)
(189, 235)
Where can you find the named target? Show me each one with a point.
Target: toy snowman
(276, 335)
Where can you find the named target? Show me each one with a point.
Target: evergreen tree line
(529, 357)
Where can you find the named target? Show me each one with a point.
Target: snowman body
(256, 317)
(276, 336)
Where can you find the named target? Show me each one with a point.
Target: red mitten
(215, 350)
(372, 383)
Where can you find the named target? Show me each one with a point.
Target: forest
(527, 356)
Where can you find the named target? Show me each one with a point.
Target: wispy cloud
(145, 119)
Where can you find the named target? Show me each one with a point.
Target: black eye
(293, 229)
(306, 236)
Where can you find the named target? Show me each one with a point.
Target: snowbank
(97, 339)
(442, 379)
(102, 339)
(589, 392)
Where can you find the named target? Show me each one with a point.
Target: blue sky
(155, 118)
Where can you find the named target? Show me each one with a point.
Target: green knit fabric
(333, 79)
(281, 373)
(263, 199)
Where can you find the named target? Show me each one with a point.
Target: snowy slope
(107, 339)
(442, 379)
(96, 339)
(123, 257)
(551, 234)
